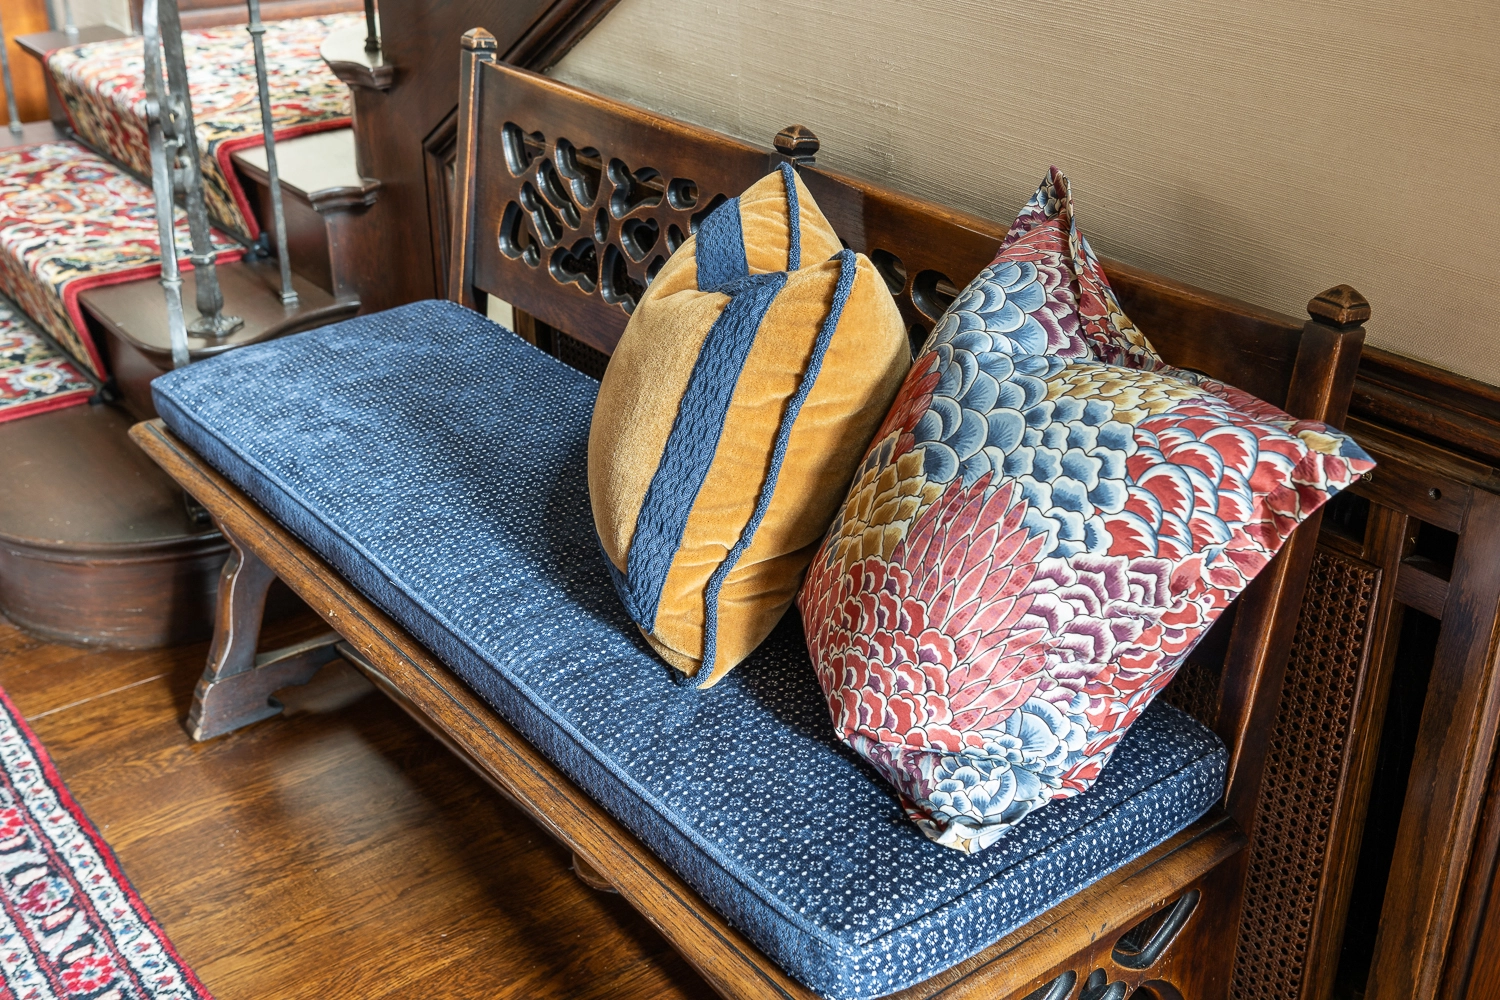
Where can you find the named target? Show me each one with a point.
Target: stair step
(132, 316)
(96, 542)
(312, 167)
(32, 133)
(38, 44)
(323, 196)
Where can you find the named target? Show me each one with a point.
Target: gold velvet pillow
(732, 416)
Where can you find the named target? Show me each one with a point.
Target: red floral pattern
(71, 220)
(1049, 520)
(34, 375)
(72, 925)
(103, 88)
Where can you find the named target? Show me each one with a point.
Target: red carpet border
(102, 87)
(71, 925)
(71, 220)
(34, 376)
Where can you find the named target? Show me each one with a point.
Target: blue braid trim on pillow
(721, 248)
(841, 291)
(793, 219)
(693, 441)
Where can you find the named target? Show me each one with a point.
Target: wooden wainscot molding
(553, 34)
(1405, 396)
(345, 199)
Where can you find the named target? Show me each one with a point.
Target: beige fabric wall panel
(1264, 150)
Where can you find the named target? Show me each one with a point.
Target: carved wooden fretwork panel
(590, 220)
(1099, 986)
(606, 226)
(579, 200)
(1133, 966)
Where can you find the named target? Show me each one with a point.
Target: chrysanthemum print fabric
(1047, 522)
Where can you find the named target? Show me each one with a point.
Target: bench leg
(237, 684)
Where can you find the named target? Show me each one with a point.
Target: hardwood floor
(337, 852)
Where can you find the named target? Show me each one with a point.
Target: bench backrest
(566, 203)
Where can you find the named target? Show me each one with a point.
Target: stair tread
(39, 43)
(308, 164)
(31, 134)
(75, 481)
(135, 311)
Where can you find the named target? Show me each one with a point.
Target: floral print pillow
(1047, 522)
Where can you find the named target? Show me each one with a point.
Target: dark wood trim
(39, 43)
(1261, 637)
(440, 156)
(345, 53)
(1445, 794)
(1411, 397)
(1427, 864)
(555, 33)
(477, 52)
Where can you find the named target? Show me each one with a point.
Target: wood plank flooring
(336, 852)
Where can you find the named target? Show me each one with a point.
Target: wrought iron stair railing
(175, 166)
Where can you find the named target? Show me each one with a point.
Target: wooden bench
(565, 204)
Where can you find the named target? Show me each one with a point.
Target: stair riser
(163, 598)
(321, 244)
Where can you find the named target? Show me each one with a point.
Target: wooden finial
(1340, 306)
(479, 40)
(797, 143)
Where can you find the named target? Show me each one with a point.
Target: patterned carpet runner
(34, 375)
(71, 926)
(71, 220)
(102, 86)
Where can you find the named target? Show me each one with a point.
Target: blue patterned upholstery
(437, 461)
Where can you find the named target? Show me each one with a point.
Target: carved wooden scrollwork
(593, 221)
(1133, 967)
(1058, 989)
(1098, 987)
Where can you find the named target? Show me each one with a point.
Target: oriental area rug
(71, 926)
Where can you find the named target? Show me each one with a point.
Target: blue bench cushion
(438, 462)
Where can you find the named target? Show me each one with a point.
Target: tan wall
(1265, 150)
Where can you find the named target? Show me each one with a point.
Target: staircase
(97, 545)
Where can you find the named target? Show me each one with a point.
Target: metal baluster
(372, 37)
(10, 90)
(268, 127)
(161, 183)
(177, 124)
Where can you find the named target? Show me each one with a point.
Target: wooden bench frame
(1163, 926)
